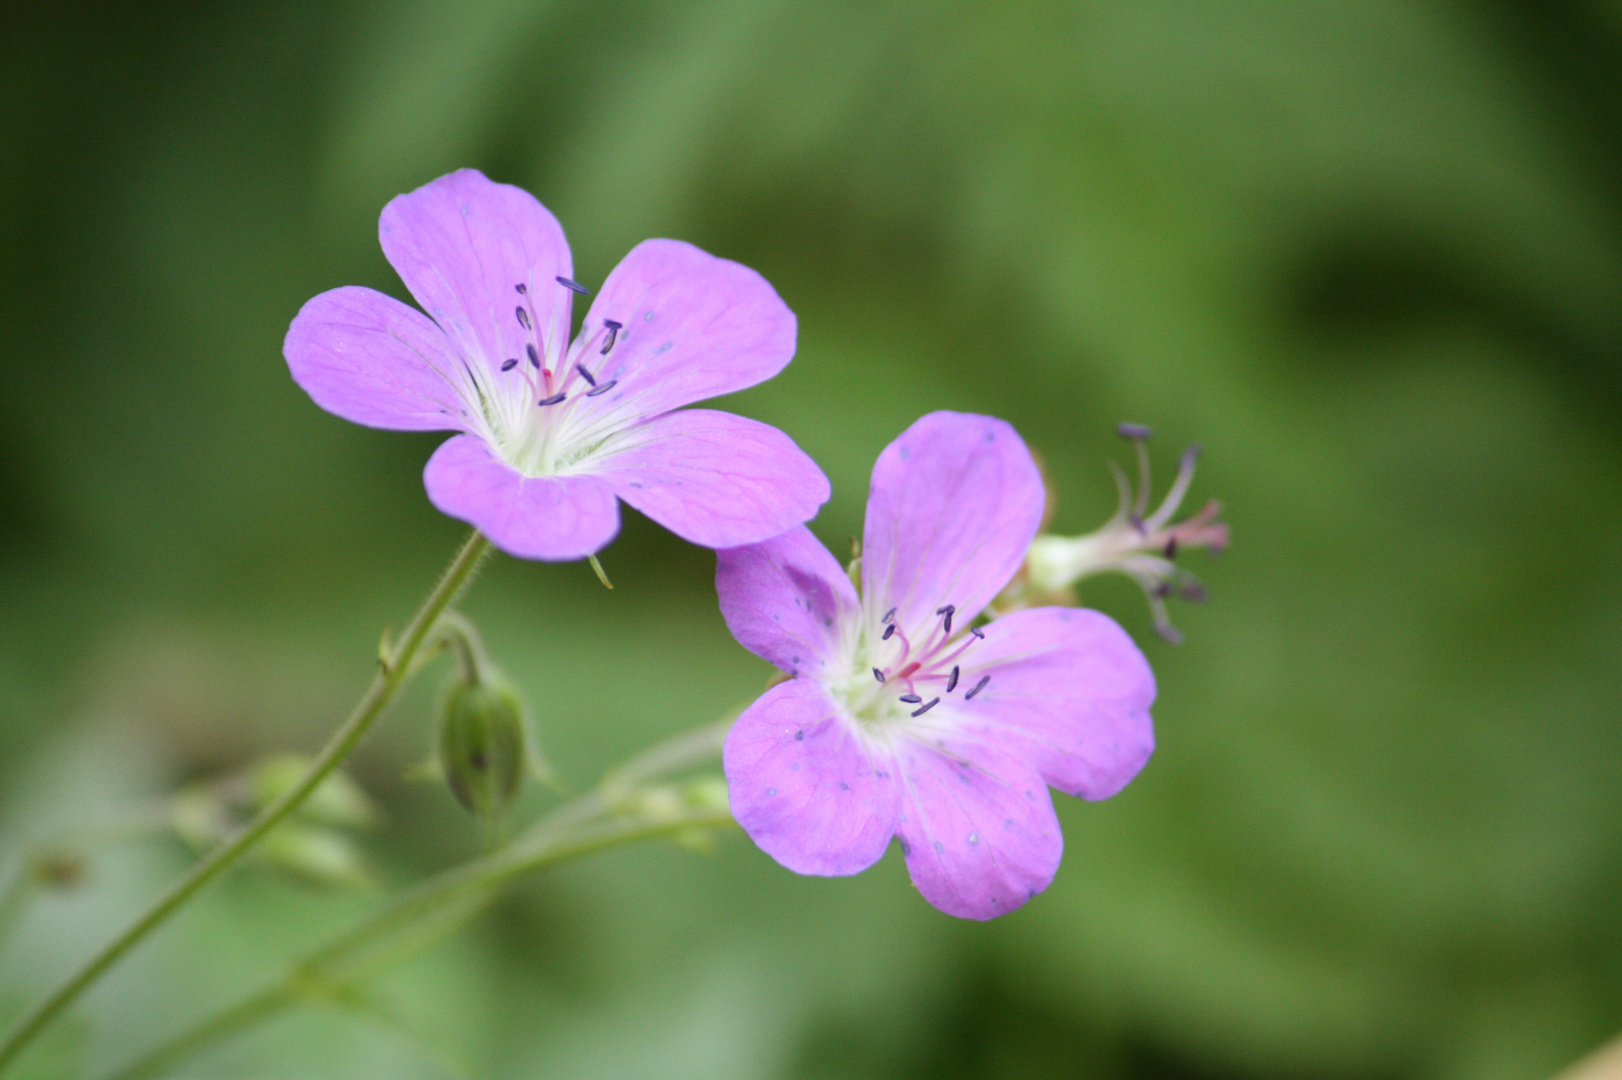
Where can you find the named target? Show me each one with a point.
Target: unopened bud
(482, 745)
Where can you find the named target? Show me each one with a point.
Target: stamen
(553, 400)
(572, 286)
(888, 630)
(879, 675)
(603, 389)
(508, 365)
(930, 704)
(979, 686)
(1171, 548)
(522, 289)
(523, 316)
(889, 616)
(911, 699)
(951, 680)
(584, 374)
(534, 357)
(949, 610)
(1132, 431)
(977, 632)
(613, 333)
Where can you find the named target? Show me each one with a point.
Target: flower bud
(482, 745)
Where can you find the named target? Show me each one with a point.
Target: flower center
(529, 404)
(908, 678)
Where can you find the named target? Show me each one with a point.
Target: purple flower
(552, 430)
(905, 719)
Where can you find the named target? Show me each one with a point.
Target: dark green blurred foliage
(1366, 251)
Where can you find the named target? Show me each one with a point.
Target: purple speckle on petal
(974, 838)
(843, 786)
(939, 847)
(770, 792)
(799, 736)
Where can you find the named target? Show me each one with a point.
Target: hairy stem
(394, 664)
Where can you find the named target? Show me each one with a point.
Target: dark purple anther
(926, 706)
(1161, 590)
(911, 699)
(951, 680)
(977, 632)
(1132, 431)
(523, 290)
(553, 400)
(879, 675)
(979, 686)
(584, 374)
(572, 286)
(534, 357)
(888, 630)
(603, 389)
(889, 616)
(523, 316)
(1171, 548)
(508, 365)
(613, 333)
(1193, 592)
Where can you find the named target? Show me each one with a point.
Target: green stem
(423, 914)
(394, 665)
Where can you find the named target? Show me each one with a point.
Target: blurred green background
(1367, 252)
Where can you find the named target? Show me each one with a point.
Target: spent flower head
(1133, 542)
(903, 717)
(552, 431)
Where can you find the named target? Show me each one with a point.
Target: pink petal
(713, 478)
(955, 503)
(977, 828)
(462, 244)
(789, 602)
(693, 327)
(370, 359)
(555, 518)
(1069, 693)
(805, 786)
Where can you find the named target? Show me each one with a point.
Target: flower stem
(596, 820)
(394, 664)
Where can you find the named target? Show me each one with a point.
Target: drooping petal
(805, 786)
(1069, 693)
(789, 602)
(713, 478)
(463, 244)
(977, 827)
(954, 505)
(555, 518)
(372, 360)
(692, 326)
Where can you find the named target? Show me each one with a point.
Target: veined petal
(713, 478)
(692, 326)
(789, 602)
(1069, 693)
(463, 244)
(372, 360)
(955, 503)
(977, 827)
(805, 786)
(555, 518)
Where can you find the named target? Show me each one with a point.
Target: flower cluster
(906, 711)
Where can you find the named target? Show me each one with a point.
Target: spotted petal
(1069, 693)
(555, 518)
(462, 244)
(693, 326)
(977, 828)
(805, 786)
(955, 503)
(372, 360)
(713, 478)
(789, 602)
